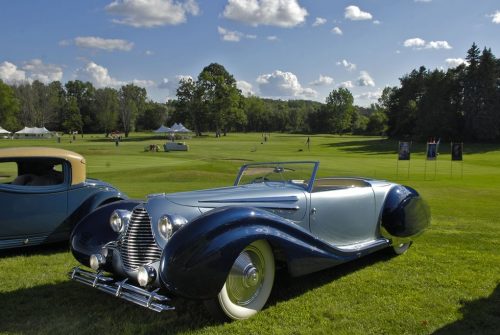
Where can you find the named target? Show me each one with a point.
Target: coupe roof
(77, 161)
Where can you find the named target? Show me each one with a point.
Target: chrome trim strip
(151, 300)
(291, 198)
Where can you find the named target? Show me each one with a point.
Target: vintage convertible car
(44, 193)
(222, 245)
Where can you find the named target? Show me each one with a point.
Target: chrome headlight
(118, 220)
(165, 227)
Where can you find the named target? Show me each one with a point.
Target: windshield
(297, 173)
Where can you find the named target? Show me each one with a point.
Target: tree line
(461, 103)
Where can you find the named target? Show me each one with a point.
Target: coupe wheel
(401, 248)
(248, 284)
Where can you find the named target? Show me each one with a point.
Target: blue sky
(288, 49)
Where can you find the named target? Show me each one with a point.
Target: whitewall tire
(248, 284)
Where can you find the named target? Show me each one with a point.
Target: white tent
(179, 128)
(163, 129)
(34, 132)
(4, 132)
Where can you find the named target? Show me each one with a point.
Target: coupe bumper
(121, 289)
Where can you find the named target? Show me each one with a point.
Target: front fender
(198, 257)
(94, 231)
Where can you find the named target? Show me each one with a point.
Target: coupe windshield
(297, 173)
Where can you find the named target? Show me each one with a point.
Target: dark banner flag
(457, 151)
(431, 151)
(404, 151)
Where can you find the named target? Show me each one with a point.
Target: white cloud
(32, 70)
(454, 62)
(346, 84)
(272, 38)
(418, 44)
(93, 42)
(319, 22)
(229, 36)
(233, 36)
(422, 0)
(283, 84)
(376, 22)
(337, 31)
(152, 13)
(369, 95)
(245, 87)
(365, 79)
(10, 74)
(438, 45)
(414, 43)
(172, 85)
(98, 75)
(45, 73)
(149, 53)
(495, 17)
(348, 66)
(283, 13)
(143, 83)
(322, 81)
(356, 14)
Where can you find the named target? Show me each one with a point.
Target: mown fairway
(448, 282)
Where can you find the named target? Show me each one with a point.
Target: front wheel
(248, 284)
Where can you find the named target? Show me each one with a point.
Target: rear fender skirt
(198, 257)
(405, 214)
(94, 231)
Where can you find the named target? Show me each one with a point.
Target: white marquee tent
(4, 132)
(179, 128)
(163, 129)
(28, 132)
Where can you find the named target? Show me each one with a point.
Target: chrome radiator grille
(137, 246)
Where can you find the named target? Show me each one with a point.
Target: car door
(30, 214)
(343, 216)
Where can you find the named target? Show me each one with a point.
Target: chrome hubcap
(246, 277)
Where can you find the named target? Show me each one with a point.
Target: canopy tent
(163, 129)
(179, 128)
(4, 132)
(33, 132)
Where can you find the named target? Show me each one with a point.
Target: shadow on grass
(373, 146)
(46, 249)
(287, 287)
(481, 316)
(69, 307)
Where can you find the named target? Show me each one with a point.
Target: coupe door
(31, 213)
(344, 216)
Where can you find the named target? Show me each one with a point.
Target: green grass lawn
(448, 282)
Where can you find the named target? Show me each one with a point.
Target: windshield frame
(315, 166)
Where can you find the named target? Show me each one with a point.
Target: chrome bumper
(121, 289)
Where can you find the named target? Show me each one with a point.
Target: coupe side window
(39, 172)
(8, 172)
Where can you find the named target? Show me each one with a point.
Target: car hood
(266, 195)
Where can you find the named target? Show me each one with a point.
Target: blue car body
(43, 212)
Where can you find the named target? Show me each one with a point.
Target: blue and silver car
(44, 192)
(223, 245)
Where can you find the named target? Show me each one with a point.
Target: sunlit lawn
(448, 282)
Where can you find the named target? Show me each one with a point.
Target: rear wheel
(248, 284)
(401, 248)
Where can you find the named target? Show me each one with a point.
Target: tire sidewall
(237, 312)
